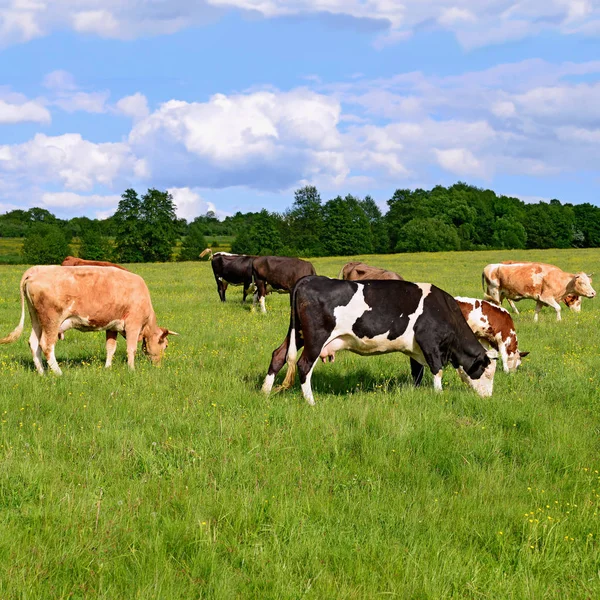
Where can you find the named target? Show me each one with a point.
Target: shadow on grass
(339, 384)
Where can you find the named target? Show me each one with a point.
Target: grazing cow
(493, 326)
(376, 317)
(234, 269)
(88, 299)
(546, 284)
(357, 271)
(279, 273)
(73, 261)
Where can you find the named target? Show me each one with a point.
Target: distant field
(10, 250)
(185, 482)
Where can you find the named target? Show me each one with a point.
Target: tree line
(460, 217)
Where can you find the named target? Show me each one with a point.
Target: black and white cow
(376, 317)
(234, 269)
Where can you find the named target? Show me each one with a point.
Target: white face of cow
(583, 285)
(484, 386)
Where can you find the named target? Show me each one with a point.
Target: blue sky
(233, 104)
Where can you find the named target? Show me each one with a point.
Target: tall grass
(185, 482)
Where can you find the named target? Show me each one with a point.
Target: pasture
(185, 482)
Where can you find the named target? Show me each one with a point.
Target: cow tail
(341, 273)
(292, 354)
(16, 334)
(483, 282)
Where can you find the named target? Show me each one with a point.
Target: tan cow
(493, 326)
(89, 299)
(546, 284)
(74, 261)
(357, 271)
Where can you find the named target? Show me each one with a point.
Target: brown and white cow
(493, 326)
(357, 271)
(546, 284)
(279, 273)
(74, 261)
(88, 299)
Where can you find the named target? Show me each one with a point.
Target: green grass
(185, 482)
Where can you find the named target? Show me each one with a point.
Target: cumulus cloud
(72, 200)
(530, 118)
(70, 161)
(263, 139)
(66, 94)
(29, 111)
(134, 106)
(190, 204)
(474, 22)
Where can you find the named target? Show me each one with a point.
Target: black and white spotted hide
(376, 317)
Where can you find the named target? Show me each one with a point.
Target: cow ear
(523, 354)
(492, 354)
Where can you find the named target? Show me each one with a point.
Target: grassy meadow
(185, 482)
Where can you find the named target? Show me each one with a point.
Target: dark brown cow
(234, 269)
(74, 261)
(279, 273)
(357, 271)
(89, 299)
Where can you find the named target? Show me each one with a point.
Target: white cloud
(190, 204)
(70, 161)
(134, 106)
(261, 139)
(66, 94)
(474, 22)
(72, 200)
(27, 111)
(459, 161)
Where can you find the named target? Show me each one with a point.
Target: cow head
(513, 361)
(582, 285)
(573, 301)
(481, 374)
(155, 343)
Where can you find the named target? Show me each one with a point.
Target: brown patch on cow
(74, 261)
(501, 321)
(358, 271)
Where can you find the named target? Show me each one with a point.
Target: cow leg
(132, 342)
(277, 361)
(259, 295)
(34, 344)
(504, 356)
(513, 306)
(556, 306)
(246, 288)
(417, 370)
(221, 287)
(538, 306)
(48, 340)
(111, 346)
(437, 381)
(305, 368)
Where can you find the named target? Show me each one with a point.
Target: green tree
(45, 245)
(194, 242)
(159, 231)
(94, 246)
(262, 237)
(379, 232)
(346, 229)
(128, 228)
(508, 233)
(427, 235)
(306, 222)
